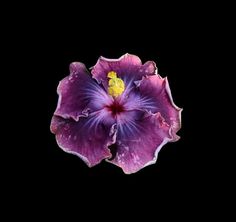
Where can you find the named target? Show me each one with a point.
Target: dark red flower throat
(115, 108)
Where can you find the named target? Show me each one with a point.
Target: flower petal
(155, 96)
(79, 94)
(138, 142)
(128, 67)
(88, 138)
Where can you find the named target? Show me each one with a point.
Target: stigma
(116, 85)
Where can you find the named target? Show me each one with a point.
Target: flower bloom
(122, 104)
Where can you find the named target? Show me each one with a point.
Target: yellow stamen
(111, 75)
(116, 85)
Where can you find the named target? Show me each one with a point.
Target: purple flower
(123, 103)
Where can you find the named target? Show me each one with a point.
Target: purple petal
(139, 141)
(155, 96)
(128, 67)
(79, 94)
(88, 138)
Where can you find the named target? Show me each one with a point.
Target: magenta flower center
(115, 108)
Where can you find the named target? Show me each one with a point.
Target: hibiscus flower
(122, 104)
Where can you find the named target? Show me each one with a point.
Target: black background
(178, 41)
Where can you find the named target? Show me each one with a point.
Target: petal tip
(76, 66)
(132, 57)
